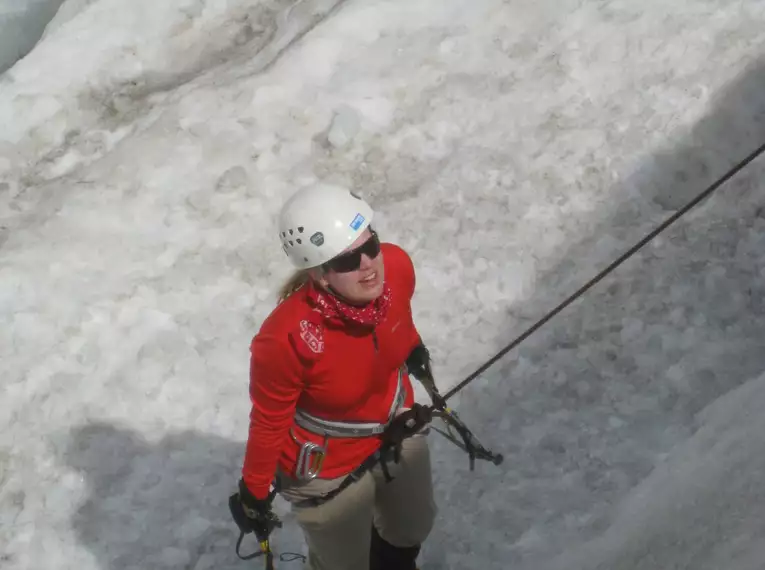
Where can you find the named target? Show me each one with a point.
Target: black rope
(292, 557)
(269, 554)
(599, 277)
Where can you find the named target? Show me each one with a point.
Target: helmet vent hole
(291, 243)
(300, 229)
(300, 241)
(292, 231)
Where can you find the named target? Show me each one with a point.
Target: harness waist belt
(332, 428)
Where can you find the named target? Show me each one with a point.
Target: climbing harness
(311, 455)
(467, 442)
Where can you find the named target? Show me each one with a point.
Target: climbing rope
(599, 277)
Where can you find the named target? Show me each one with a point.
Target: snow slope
(513, 148)
(709, 488)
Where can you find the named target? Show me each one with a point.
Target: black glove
(418, 365)
(252, 514)
(418, 362)
(405, 425)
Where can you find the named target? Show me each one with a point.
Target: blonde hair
(294, 283)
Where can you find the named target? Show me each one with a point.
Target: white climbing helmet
(319, 222)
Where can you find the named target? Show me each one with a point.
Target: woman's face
(358, 273)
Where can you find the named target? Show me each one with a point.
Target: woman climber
(334, 428)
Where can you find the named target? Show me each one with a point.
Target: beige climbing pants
(338, 532)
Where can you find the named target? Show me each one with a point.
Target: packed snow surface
(514, 148)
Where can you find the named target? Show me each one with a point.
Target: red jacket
(350, 378)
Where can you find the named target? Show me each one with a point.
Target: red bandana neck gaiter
(331, 306)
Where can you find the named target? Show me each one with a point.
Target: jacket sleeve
(276, 374)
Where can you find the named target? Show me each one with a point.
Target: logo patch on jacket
(312, 335)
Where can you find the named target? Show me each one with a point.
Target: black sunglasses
(351, 260)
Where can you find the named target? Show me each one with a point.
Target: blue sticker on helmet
(357, 221)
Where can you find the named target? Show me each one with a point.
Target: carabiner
(310, 459)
